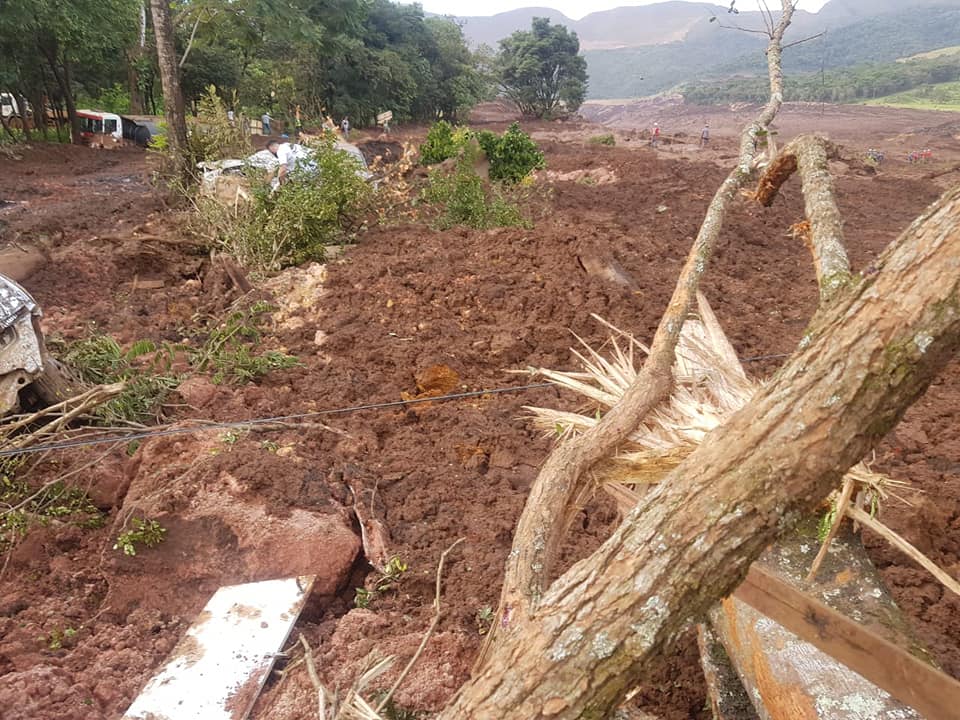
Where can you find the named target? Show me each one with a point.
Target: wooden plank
(787, 677)
(907, 678)
(219, 667)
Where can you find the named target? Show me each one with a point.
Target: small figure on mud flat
(345, 127)
(655, 135)
(705, 135)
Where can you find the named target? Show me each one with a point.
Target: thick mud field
(407, 311)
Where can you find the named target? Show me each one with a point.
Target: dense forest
(338, 57)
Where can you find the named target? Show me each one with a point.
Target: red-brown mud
(482, 303)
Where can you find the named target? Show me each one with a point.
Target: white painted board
(219, 667)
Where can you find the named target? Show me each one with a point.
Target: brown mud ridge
(370, 328)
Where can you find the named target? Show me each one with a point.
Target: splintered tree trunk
(868, 355)
(173, 97)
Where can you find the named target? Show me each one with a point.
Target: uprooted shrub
(512, 156)
(231, 350)
(144, 367)
(443, 142)
(464, 198)
(289, 225)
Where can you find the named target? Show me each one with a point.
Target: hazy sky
(574, 9)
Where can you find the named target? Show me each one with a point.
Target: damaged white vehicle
(226, 177)
(24, 360)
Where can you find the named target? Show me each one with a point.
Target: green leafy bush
(443, 142)
(144, 367)
(606, 139)
(211, 135)
(513, 155)
(465, 199)
(294, 223)
(230, 349)
(54, 501)
(148, 533)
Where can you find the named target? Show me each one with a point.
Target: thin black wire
(84, 442)
(254, 422)
(765, 357)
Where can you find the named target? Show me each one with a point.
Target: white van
(8, 105)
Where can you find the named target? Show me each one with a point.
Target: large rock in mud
(230, 517)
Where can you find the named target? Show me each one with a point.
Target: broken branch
(563, 483)
(905, 547)
(314, 678)
(809, 154)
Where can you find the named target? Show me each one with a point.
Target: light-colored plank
(217, 670)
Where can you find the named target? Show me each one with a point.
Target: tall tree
(74, 41)
(542, 70)
(173, 97)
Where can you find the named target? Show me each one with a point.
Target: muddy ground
(369, 328)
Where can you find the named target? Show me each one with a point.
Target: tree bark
(868, 355)
(563, 483)
(135, 53)
(173, 97)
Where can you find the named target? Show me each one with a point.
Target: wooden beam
(906, 677)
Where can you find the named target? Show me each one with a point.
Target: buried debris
(219, 667)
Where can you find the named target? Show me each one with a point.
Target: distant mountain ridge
(672, 21)
(643, 50)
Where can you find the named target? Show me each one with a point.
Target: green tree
(542, 70)
(52, 48)
(456, 84)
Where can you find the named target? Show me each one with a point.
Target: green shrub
(464, 198)
(98, 358)
(211, 135)
(25, 504)
(148, 533)
(512, 156)
(606, 139)
(443, 142)
(230, 350)
(297, 221)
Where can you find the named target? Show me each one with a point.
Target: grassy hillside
(721, 53)
(864, 82)
(942, 96)
(939, 52)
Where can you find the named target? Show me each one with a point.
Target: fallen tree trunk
(867, 356)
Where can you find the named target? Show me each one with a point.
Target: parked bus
(103, 129)
(100, 129)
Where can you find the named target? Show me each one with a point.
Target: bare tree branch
(193, 34)
(806, 39)
(688, 543)
(809, 154)
(564, 484)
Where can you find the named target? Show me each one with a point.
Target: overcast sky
(574, 9)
